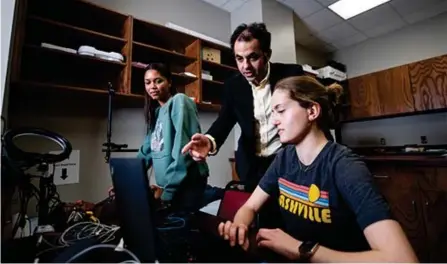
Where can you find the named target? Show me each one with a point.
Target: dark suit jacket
(237, 107)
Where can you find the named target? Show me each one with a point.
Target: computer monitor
(135, 207)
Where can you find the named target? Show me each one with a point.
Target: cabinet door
(363, 97)
(434, 202)
(429, 83)
(394, 91)
(401, 192)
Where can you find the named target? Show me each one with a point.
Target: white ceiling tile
(385, 28)
(406, 7)
(322, 19)
(217, 3)
(345, 42)
(330, 47)
(426, 13)
(327, 2)
(232, 5)
(303, 8)
(311, 41)
(338, 31)
(375, 17)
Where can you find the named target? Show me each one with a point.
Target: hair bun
(336, 90)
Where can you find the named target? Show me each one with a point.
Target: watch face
(307, 246)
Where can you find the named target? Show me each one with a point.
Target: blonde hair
(307, 91)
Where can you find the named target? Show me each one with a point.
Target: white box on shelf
(331, 73)
(207, 77)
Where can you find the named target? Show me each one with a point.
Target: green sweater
(176, 122)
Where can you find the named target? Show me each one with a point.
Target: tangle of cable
(84, 230)
(79, 231)
(173, 223)
(87, 250)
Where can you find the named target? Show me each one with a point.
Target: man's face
(250, 59)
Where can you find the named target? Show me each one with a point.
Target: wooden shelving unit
(42, 75)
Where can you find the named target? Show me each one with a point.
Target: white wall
(306, 56)
(418, 42)
(7, 13)
(249, 12)
(192, 14)
(279, 21)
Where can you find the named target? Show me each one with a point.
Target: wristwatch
(307, 249)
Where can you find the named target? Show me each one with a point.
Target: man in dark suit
(246, 101)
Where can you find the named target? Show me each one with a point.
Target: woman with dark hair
(330, 208)
(172, 119)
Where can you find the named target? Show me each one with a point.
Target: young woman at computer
(172, 119)
(330, 208)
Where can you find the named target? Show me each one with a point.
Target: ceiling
(317, 27)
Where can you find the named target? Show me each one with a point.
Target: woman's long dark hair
(151, 105)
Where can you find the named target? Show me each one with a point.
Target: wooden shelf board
(223, 66)
(212, 82)
(69, 87)
(183, 76)
(213, 45)
(174, 74)
(164, 51)
(55, 51)
(79, 29)
(166, 33)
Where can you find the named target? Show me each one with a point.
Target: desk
(216, 249)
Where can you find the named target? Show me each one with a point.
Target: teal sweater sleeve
(186, 123)
(145, 151)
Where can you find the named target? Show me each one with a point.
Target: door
(434, 202)
(394, 91)
(363, 96)
(398, 186)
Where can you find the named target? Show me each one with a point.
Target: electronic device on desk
(146, 232)
(20, 161)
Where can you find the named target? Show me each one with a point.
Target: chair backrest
(231, 202)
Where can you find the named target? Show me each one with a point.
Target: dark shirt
(330, 201)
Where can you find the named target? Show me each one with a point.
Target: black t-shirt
(330, 201)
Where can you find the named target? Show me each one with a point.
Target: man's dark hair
(252, 31)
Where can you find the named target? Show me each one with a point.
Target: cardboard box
(211, 54)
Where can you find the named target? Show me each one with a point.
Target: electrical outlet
(382, 141)
(424, 140)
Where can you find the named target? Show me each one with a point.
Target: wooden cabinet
(418, 86)
(364, 97)
(90, 57)
(418, 200)
(385, 92)
(429, 83)
(394, 91)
